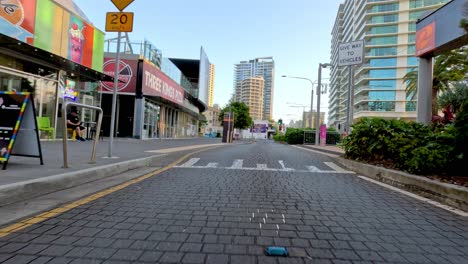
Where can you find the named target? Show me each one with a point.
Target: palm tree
(449, 67)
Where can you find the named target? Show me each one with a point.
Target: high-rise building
(259, 67)
(307, 118)
(252, 94)
(211, 86)
(388, 29)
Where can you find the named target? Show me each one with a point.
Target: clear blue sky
(297, 33)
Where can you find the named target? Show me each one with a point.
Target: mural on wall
(17, 19)
(48, 26)
(76, 40)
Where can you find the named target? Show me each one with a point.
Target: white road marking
(237, 164)
(313, 169)
(284, 166)
(171, 150)
(420, 198)
(189, 163)
(212, 165)
(337, 168)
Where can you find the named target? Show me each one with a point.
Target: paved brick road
(230, 210)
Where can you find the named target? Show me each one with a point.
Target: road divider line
(56, 211)
(417, 197)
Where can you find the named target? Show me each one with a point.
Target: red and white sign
(156, 83)
(127, 75)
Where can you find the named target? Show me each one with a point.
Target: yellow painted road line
(54, 212)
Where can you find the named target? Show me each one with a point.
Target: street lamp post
(319, 92)
(311, 95)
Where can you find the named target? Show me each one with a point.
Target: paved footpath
(226, 205)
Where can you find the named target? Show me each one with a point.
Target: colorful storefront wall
(48, 26)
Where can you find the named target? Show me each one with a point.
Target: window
(412, 27)
(384, 29)
(415, 15)
(422, 3)
(412, 61)
(391, 51)
(383, 8)
(412, 38)
(383, 40)
(382, 84)
(384, 19)
(383, 62)
(382, 95)
(391, 73)
(411, 49)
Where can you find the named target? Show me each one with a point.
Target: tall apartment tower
(211, 86)
(388, 29)
(252, 94)
(259, 67)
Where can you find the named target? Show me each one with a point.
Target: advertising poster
(259, 128)
(17, 19)
(127, 75)
(48, 26)
(12, 106)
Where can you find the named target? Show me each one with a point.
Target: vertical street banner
(18, 127)
(323, 135)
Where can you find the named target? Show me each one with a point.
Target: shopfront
(53, 53)
(148, 101)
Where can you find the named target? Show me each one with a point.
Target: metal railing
(65, 135)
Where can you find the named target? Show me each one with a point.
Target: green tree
(242, 117)
(449, 67)
(454, 97)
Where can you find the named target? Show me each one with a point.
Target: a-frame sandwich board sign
(19, 134)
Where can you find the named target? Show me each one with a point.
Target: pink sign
(156, 83)
(323, 135)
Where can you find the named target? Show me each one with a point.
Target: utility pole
(319, 92)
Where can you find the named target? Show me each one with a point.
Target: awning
(13, 47)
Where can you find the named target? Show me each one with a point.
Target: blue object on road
(277, 251)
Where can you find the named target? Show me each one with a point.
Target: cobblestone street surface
(227, 205)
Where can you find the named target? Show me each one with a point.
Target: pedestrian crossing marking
(189, 163)
(212, 165)
(238, 164)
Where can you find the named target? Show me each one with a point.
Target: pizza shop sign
(156, 83)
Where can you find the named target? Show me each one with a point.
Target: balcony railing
(376, 106)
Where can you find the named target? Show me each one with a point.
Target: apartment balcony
(362, 78)
(358, 70)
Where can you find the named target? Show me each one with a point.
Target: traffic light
(280, 122)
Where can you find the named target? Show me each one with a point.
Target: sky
(296, 33)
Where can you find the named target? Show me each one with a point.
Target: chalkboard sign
(18, 127)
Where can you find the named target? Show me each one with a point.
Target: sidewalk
(25, 177)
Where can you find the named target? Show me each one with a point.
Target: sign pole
(114, 96)
(348, 108)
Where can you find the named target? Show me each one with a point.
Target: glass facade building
(388, 29)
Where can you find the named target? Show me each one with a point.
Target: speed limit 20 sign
(119, 22)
